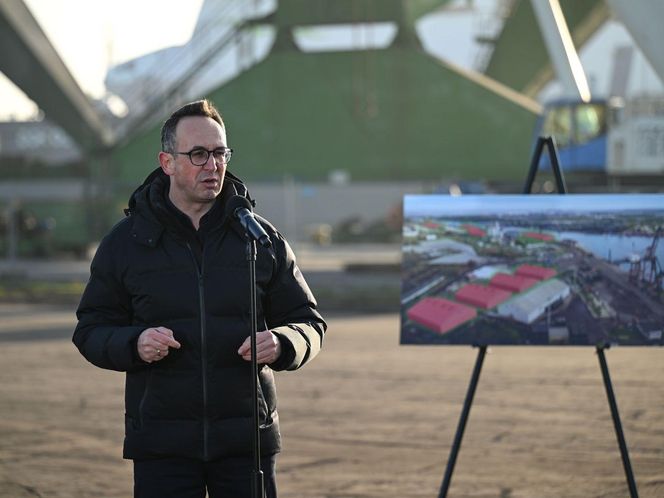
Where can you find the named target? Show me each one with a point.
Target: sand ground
(367, 418)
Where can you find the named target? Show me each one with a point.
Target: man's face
(194, 185)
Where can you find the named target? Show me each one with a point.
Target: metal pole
(462, 422)
(629, 475)
(257, 487)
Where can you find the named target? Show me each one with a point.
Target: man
(168, 303)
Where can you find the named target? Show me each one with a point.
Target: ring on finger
(158, 351)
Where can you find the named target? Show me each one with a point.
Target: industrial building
(440, 315)
(485, 297)
(249, 58)
(445, 251)
(512, 283)
(536, 272)
(529, 306)
(474, 231)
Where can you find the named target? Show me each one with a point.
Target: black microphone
(240, 208)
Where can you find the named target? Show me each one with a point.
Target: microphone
(240, 208)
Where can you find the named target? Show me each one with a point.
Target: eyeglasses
(199, 156)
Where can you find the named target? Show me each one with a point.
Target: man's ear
(166, 162)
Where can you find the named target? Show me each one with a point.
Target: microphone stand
(257, 487)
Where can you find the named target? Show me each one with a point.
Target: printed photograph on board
(533, 270)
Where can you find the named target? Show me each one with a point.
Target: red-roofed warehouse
(440, 314)
(538, 272)
(473, 230)
(481, 296)
(512, 283)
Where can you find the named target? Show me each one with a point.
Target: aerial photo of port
(533, 270)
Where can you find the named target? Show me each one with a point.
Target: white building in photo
(532, 304)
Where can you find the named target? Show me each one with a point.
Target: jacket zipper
(201, 297)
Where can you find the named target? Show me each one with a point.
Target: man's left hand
(268, 348)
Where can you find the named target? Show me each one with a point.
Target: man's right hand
(153, 343)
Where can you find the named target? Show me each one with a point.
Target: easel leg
(462, 422)
(617, 424)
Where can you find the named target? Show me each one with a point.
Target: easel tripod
(474, 380)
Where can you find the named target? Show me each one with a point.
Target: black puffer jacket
(153, 269)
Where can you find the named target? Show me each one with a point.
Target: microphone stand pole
(257, 487)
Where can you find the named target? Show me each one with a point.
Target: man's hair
(203, 108)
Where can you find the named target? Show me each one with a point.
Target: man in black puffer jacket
(168, 303)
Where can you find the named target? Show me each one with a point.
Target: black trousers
(188, 478)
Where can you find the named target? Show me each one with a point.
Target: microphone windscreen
(236, 202)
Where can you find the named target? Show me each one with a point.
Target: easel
(549, 142)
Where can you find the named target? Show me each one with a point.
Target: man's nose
(211, 163)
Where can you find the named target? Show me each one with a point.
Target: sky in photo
(445, 205)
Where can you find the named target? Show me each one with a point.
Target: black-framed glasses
(199, 156)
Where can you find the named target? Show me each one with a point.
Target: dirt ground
(368, 418)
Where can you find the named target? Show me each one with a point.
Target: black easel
(257, 487)
(627, 465)
(462, 421)
(550, 143)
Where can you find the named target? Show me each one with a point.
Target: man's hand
(268, 348)
(153, 343)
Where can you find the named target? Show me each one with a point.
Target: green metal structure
(381, 115)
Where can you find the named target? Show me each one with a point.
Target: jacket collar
(151, 216)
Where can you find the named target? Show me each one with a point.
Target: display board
(533, 270)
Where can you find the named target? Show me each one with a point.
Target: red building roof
(481, 296)
(473, 230)
(538, 236)
(512, 283)
(431, 224)
(538, 272)
(439, 314)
